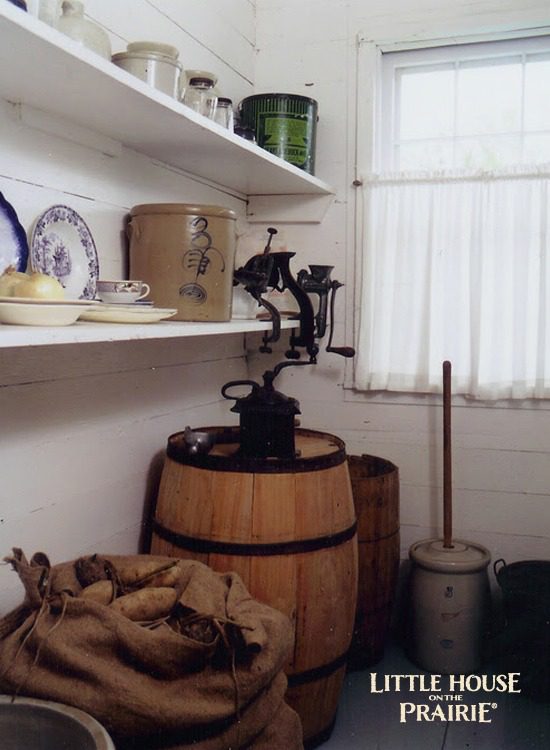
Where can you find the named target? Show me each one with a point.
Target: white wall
(84, 427)
(501, 454)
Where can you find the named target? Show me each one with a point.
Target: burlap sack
(150, 686)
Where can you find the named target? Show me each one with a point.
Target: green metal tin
(285, 125)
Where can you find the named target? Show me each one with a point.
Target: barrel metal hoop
(317, 673)
(318, 739)
(210, 546)
(379, 538)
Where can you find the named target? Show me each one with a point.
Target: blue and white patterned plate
(14, 248)
(62, 246)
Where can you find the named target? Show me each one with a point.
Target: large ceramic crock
(186, 253)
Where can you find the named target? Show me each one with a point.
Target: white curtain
(456, 266)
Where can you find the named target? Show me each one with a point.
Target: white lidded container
(449, 596)
(155, 63)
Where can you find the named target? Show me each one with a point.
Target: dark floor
(371, 721)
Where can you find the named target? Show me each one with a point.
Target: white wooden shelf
(42, 68)
(85, 333)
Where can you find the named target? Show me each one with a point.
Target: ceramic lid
(157, 48)
(121, 56)
(188, 209)
(462, 557)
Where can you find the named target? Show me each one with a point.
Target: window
(473, 106)
(455, 249)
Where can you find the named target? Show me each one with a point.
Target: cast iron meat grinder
(267, 416)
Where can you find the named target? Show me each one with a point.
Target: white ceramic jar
(89, 34)
(155, 63)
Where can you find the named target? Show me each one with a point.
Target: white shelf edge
(54, 50)
(12, 336)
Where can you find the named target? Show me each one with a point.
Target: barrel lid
(186, 209)
(462, 557)
(318, 450)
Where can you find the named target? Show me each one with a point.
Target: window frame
(450, 53)
(364, 92)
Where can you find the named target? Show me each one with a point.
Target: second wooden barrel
(288, 528)
(375, 486)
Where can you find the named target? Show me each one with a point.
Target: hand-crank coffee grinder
(267, 416)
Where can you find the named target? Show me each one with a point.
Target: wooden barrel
(288, 528)
(375, 486)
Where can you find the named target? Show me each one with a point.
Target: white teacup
(123, 291)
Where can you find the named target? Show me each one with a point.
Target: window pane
(488, 152)
(489, 97)
(426, 104)
(536, 148)
(425, 155)
(537, 93)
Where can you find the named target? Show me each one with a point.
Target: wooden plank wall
(501, 454)
(83, 428)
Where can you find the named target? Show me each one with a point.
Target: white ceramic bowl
(19, 311)
(28, 723)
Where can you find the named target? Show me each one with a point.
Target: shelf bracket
(287, 209)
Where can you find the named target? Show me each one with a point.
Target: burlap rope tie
(46, 601)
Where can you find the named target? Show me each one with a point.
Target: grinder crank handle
(343, 351)
(275, 325)
(233, 383)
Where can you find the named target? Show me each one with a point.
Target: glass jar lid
(201, 74)
(203, 83)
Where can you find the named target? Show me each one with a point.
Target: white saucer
(133, 313)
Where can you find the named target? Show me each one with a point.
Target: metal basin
(32, 724)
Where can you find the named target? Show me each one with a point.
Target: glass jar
(245, 132)
(89, 34)
(48, 11)
(223, 114)
(200, 96)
